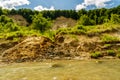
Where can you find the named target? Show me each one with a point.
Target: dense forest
(96, 16)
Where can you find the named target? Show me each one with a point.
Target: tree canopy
(96, 16)
(41, 23)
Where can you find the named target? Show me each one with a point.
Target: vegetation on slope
(42, 21)
(100, 23)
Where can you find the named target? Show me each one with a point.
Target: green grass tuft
(109, 38)
(111, 53)
(96, 55)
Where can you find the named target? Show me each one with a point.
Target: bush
(115, 18)
(50, 34)
(111, 53)
(109, 38)
(85, 20)
(4, 19)
(107, 45)
(118, 55)
(41, 23)
(14, 35)
(96, 55)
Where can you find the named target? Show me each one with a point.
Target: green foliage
(13, 35)
(96, 55)
(7, 24)
(78, 29)
(50, 34)
(87, 17)
(41, 23)
(57, 13)
(118, 54)
(11, 31)
(26, 13)
(16, 35)
(85, 20)
(109, 38)
(91, 30)
(107, 45)
(4, 19)
(111, 53)
(115, 18)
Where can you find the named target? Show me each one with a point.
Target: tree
(81, 12)
(7, 24)
(41, 23)
(115, 18)
(85, 20)
(4, 19)
(13, 12)
(1, 11)
(26, 13)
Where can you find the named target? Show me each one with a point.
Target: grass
(118, 55)
(107, 45)
(109, 38)
(70, 70)
(96, 55)
(90, 30)
(111, 53)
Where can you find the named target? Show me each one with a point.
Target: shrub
(14, 35)
(50, 34)
(85, 20)
(107, 45)
(4, 19)
(115, 18)
(111, 53)
(118, 55)
(41, 23)
(11, 27)
(109, 38)
(78, 29)
(7, 24)
(96, 55)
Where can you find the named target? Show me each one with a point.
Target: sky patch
(58, 4)
(12, 4)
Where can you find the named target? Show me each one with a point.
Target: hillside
(20, 20)
(62, 22)
(27, 35)
(102, 41)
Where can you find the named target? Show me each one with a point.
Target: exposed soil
(20, 20)
(6, 45)
(62, 22)
(64, 47)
